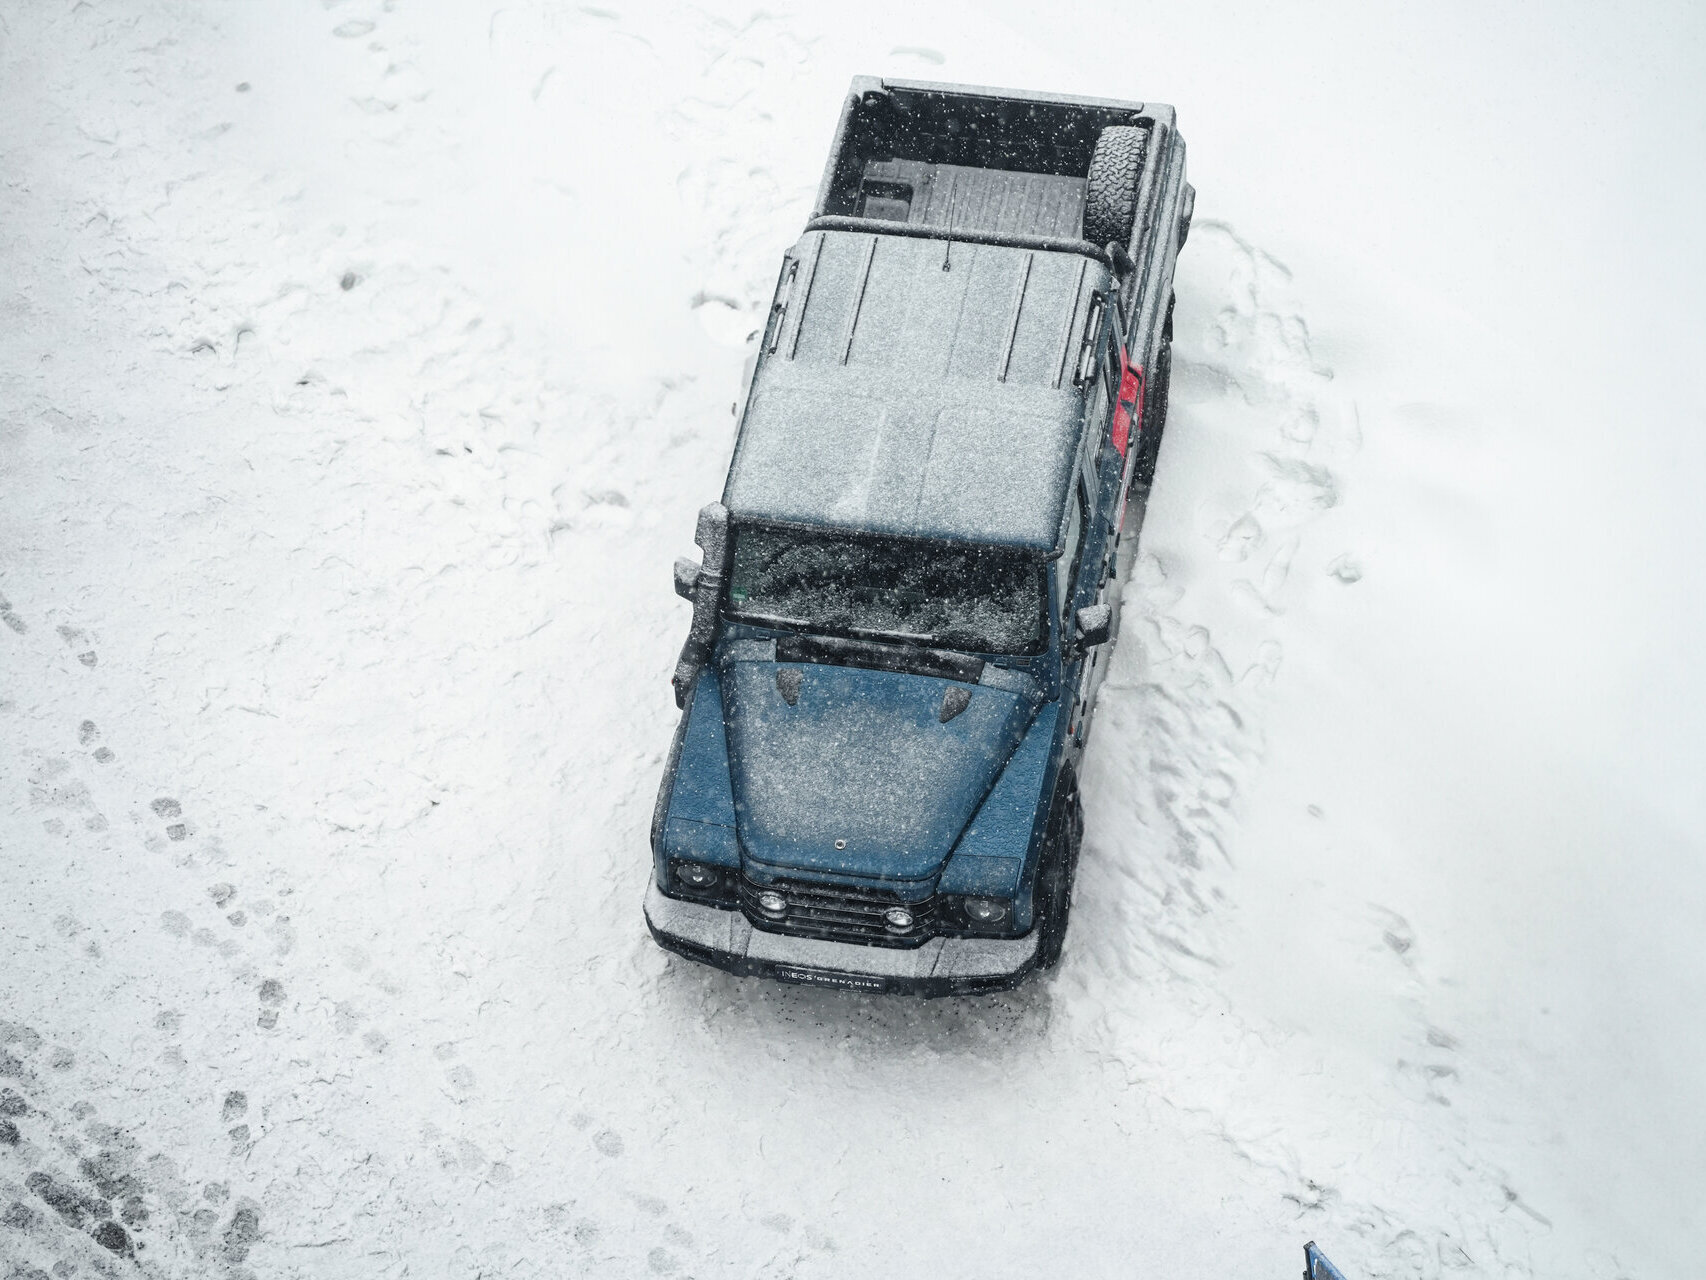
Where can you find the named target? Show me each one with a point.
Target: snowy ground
(362, 366)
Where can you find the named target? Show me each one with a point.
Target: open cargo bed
(957, 195)
(964, 164)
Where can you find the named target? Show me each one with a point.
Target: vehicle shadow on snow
(985, 1026)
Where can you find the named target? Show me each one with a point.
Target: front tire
(1059, 864)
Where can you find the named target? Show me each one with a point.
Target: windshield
(952, 595)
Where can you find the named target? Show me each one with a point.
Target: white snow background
(362, 367)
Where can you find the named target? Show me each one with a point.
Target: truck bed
(968, 162)
(995, 201)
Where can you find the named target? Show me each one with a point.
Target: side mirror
(1093, 625)
(686, 577)
(712, 536)
(702, 584)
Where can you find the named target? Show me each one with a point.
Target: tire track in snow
(1261, 430)
(1181, 715)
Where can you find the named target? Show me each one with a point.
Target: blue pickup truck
(907, 593)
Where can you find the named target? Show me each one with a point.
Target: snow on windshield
(977, 599)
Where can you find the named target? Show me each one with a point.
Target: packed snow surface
(362, 367)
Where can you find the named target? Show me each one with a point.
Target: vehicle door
(1105, 468)
(1077, 582)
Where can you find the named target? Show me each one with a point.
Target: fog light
(899, 918)
(986, 911)
(696, 874)
(772, 903)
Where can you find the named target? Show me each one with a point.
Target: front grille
(837, 912)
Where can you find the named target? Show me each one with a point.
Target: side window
(1112, 369)
(1111, 363)
(1066, 569)
(1090, 349)
(1099, 415)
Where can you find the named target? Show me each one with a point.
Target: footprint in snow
(272, 996)
(1346, 569)
(168, 808)
(76, 639)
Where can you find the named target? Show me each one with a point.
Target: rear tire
(1155, 406)
(1059, 864)
(1110, 194)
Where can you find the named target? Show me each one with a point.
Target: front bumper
(725, 939)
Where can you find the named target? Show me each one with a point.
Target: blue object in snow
(1316, 1266)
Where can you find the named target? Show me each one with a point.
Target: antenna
(953, 195)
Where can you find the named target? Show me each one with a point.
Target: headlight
(899, 919)
(696, 875)
(701, 881)
(987, 913)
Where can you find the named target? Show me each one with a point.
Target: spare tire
(1110, 194)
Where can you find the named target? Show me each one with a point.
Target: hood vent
(954, 700)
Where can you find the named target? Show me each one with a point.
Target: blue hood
(862, 757)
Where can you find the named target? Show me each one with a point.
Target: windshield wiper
(901, 637)
(767, 619)
(880, 657)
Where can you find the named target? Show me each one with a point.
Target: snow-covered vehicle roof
(917, 387)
